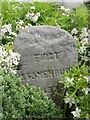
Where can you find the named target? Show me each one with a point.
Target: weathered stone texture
(46, 52)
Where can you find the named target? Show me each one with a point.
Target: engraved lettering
(57, 72)
(48, 56)
(46, 74)
(36, 56)
(32, 75)
(58, 55)
(38, 75)
(45, 56)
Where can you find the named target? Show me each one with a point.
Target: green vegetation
(77, 84)
(15, 14)
(22, 101)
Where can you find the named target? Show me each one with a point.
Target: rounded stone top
(46, 52)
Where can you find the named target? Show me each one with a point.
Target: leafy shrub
(13, 97)
(20, 101)
(83, 46)
(41, 106)
(19, 15)
(77, 84)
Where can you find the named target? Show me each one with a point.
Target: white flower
(67, 10)
(38, 14)
(85, 58)
(62, 7)
(1, 49)
(84, 30)
(70, 80)
(12, 53)
(19, 27)
(76, 38)
(13, 71)
(84, 41)
(21, 22)
(67, 15)
(1, 36)
(4, 53)
(29, 16)
(74, 31)
(87, 78)
(87, 116)
(29, 25)
(26, 26)
(76, 113)
(7, 28)
(13, 33)
(69, 99)
(35, 18)
(8, 59)
(15, 61)
(85, 90)
(84, 33)
(63, 14)
(82, 49)
(32, 7)
(8, 37)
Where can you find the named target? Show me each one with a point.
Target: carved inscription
(46, 52)
(49, 56)
(45, 74)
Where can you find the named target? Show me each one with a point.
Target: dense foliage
(76, 82)
(19, 100)
(20, 15)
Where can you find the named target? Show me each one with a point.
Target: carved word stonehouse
(46, 52)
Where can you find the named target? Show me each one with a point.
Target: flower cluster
(84, 36)
(65, 11)
(20, 25)
(82, 43)
(74, 31)
(7, 29)
(8, 59)
(33, 17)
(76, 113)
(1, 18)
(82, 50)
(69, 99)
(76, 83)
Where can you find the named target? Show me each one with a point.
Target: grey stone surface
(46, 52)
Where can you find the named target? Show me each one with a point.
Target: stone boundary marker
(46, 52)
